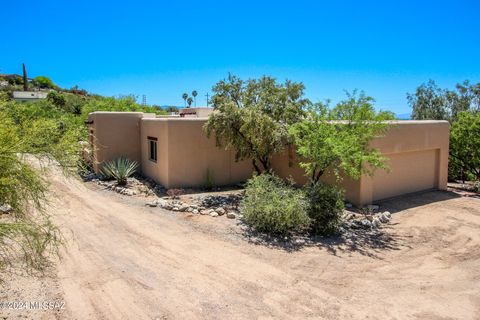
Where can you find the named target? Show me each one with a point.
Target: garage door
(410, 172)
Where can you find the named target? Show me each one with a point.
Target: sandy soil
(127, 261)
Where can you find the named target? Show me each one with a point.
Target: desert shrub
(57, 99)
(273, 206)
(325, 207)
(119, 169)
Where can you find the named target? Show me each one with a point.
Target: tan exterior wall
(417, 153)
(115, 134)
(185, 155)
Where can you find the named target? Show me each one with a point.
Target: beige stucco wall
(115, 134)
(185, 155)
(417, 153)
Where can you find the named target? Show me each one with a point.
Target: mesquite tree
(252, 117)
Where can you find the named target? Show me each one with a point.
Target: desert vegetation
(32, 137)
(461, 107)
(260, 117)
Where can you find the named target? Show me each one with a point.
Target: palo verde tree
(252, 116)
(338, 139)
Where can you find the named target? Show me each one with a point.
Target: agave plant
(119, 169)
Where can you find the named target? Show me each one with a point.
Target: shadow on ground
(368, 242)
(418, 199)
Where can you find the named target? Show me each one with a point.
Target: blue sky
(162, 49)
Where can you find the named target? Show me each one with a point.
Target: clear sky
(164, 48)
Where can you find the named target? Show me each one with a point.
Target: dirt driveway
(127, 261)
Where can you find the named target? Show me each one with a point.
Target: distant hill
(403, 116)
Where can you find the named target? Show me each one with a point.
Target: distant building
(29, 96)
(197, 112)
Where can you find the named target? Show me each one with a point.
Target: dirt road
(127, 261)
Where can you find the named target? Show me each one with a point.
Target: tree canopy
(337, 139)
(465, 143)
(252, 116)
(430, 102)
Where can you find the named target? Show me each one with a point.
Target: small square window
(152, 149)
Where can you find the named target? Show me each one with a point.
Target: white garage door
(410, 172)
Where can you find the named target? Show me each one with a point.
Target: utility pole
(144, 100)
(207, 99)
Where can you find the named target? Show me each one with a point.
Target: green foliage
(459, 107)
(325, 207)
(429, 102)
(43, 83)
(57, 99)
(27, 235)
(252, 117)
(171, 109)
(338, 139)
(272, 206)
(465, 144)
(119, 169)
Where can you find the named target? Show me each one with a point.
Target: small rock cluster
(177, 205)
(5, 209)
(112, 185)
(355, 220)
(135, 185)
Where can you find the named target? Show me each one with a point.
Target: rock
(90, 177)
(195, 211)
(366, 224)
(348, 205)
(213, 214)
(231, 215)
(5, 208)
(383, 218)
(300, 241)
(220, 211)
(204, 212)
(349, 216)
(176, 209)
(376, 223)
(369, 218)
(373, 207)
(152, 203)
(129, 192)
(183, 207)
(387, 214)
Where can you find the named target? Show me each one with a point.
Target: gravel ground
(124, 260)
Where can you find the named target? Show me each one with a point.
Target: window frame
(152, 148)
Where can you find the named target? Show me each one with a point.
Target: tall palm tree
(194, 94)
(189, 101)
(185, 96)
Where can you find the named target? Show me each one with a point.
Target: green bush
(119, 169)
(272, 206)
(325, 207)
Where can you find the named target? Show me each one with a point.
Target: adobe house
(175, 152)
